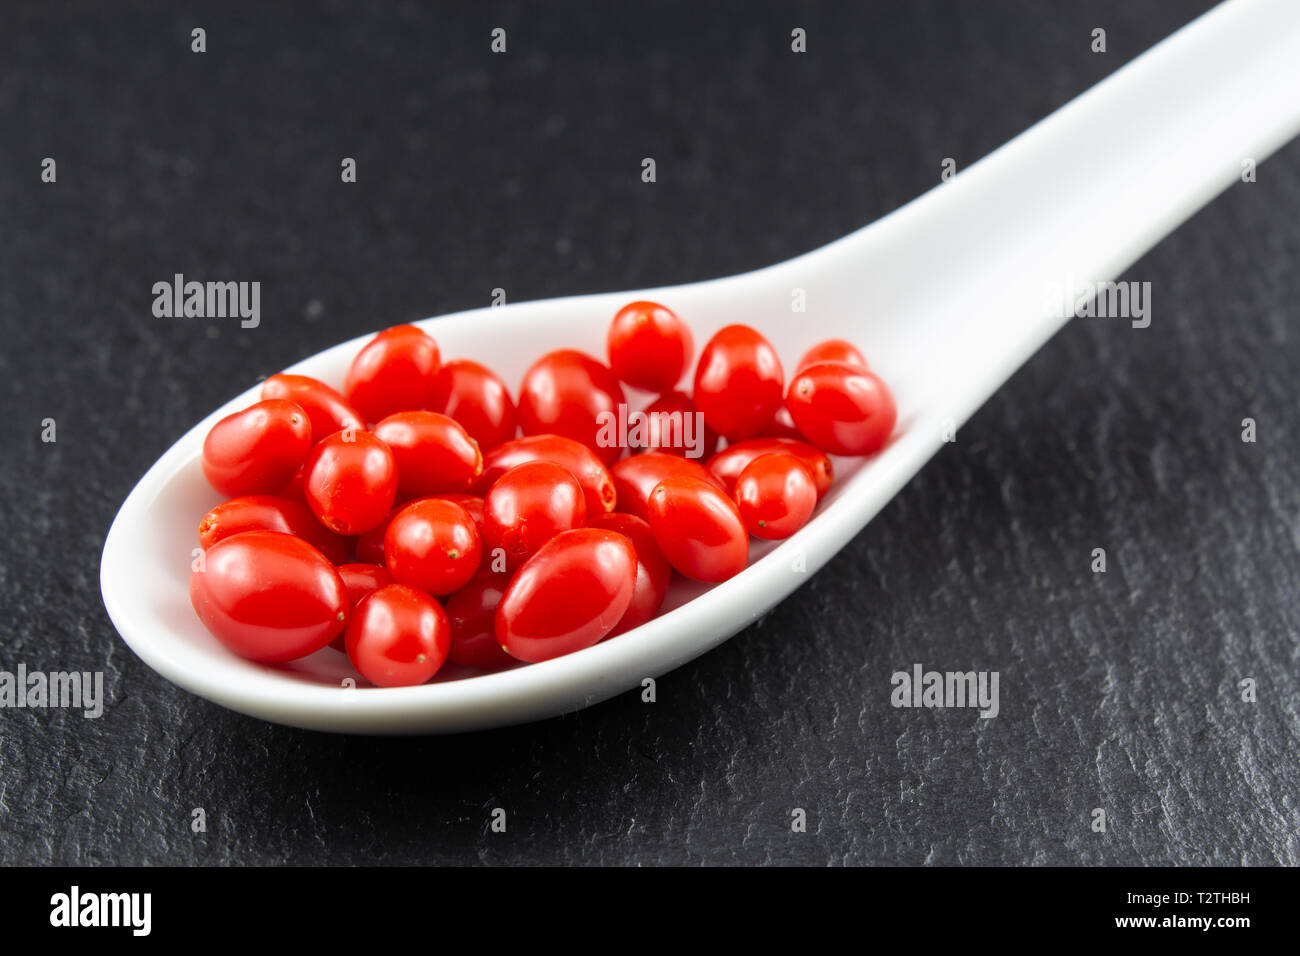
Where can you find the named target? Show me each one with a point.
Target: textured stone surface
(1117, 690)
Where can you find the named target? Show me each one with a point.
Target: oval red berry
(568, 595)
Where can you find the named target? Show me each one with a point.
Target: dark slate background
(1119, 690)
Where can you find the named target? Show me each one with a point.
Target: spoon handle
(1079, 197)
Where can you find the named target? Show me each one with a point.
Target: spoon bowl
(146, 567)
(947, 297)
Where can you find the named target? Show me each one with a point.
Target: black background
(522, 170)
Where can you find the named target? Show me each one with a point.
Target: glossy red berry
(473, 612)
(842, 409)
(267, 596)
(568, 595)
(477, 398)
(775, 495)
(350, 481)
(649, 346)
(569, 393)
(327, 410)
(393, 373)
(257, 451)
(698, 528)
(738, 382)
(653, 572)
(432, 544)
(434, 454)
(398, 636)
(530, 504)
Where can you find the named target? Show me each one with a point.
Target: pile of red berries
(403, 522)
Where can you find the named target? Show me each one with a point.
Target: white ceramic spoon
(948, 296)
